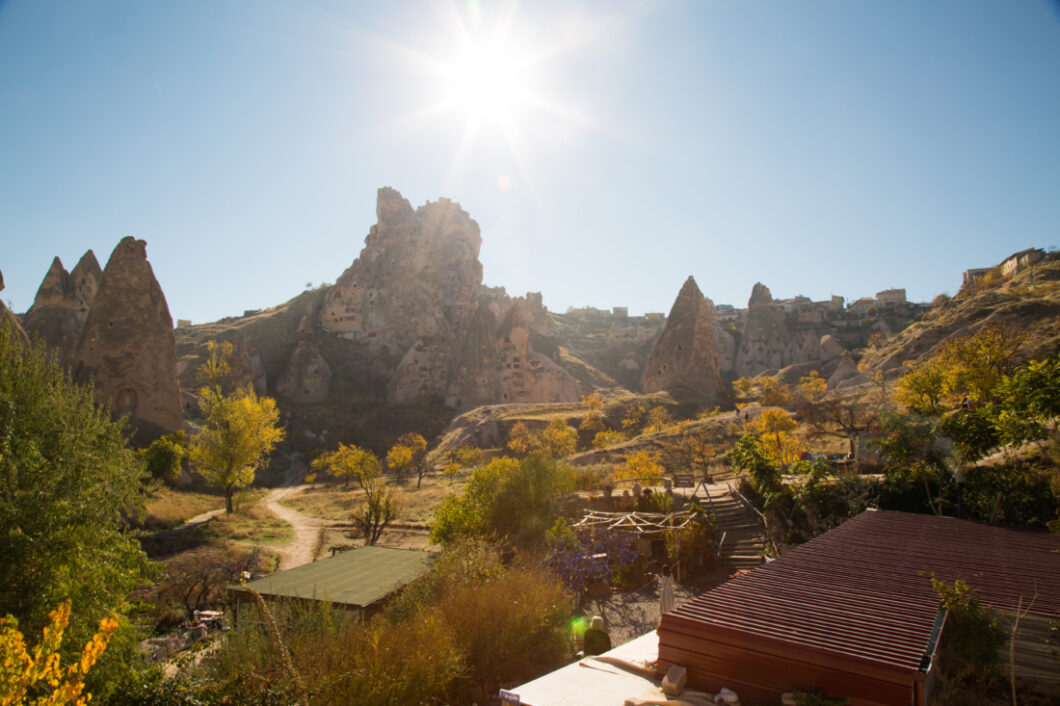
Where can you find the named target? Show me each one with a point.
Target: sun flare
(487, 83)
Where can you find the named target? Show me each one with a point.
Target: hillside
(1028, 300)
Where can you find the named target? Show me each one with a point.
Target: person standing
(666, 591)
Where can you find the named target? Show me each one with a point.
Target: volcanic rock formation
(63, 301)
(686, 355)
(307, 376)
(127, 348)
(416, 291)
(769, 341)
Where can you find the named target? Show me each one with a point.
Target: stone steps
(745, 542)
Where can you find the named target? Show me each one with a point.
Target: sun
(487, 82)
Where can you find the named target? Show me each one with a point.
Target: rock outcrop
(846, 374)
(416, 291)
(307, 376)
(127, 348)
(62, 303)
(686, 355)
(769, 340)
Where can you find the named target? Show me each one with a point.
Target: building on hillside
(972, 275)
(891, 297)
(1021, 260)
(358, 580)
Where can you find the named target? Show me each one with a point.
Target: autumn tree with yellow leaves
(239, 434)
(36, 676)
(774, 428)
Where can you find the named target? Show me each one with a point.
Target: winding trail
(306, 529)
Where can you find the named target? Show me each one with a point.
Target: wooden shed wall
(760, 669)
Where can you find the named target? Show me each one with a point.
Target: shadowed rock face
(61, 306)
(127, 348)
(307, 376)
(686, 355)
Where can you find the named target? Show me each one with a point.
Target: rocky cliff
(686, 354)
(416, 290)
(127, 348)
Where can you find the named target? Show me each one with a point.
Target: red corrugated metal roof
(862, 589)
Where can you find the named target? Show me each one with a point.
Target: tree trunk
(228, 499)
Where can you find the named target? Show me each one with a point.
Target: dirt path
(306, 529)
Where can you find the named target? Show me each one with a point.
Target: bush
(507, 498)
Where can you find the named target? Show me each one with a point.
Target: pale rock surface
(831, 347)
(769, 341)
(127, 347)
(686, 356)
(307, 377)
(846, 374)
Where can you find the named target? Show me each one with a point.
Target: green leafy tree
(506, 498)
(237, 438)
(165, 456)
(66, 478)
(748, 457)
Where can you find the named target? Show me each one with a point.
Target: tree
(641, 465)
(921, 389)
(66, 478)
(24, 673)
(747, 457)
(409, 453)
(379, 509)
(506, 498)
(380, 506)
(775, 393)
(974, 365)
(658, 419)
(743, 388)
(348, 462)
(1028, 400)
(840, 418)
(165, 456)
(774, 427)
(239, 434)
(812, 386)
(519, 439)
(554, 441)
(225, 370)
(606, 438)
(633, 418)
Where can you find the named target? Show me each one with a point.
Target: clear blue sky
(607, 150)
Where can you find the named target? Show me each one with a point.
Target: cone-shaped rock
(685, 356)
(61, 306)
(127, 348)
